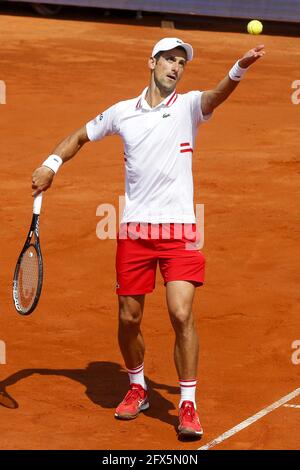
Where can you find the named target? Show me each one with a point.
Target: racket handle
(37, 204)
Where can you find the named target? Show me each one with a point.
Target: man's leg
(130, 337)
(132, 347)
(180, 296)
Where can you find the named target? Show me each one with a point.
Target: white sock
(187, 391)
(136, 376)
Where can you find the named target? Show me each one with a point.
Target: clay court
(63, 366)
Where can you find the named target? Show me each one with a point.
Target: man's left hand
(252, 56)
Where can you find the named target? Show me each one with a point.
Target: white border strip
(292, 406)
(250, 420)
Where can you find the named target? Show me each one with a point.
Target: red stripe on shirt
(186, 150)
(168, 103)
(174, 100)
(184, 144)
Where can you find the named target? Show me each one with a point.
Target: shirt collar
(167, 102)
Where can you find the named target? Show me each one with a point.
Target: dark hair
(157, 56)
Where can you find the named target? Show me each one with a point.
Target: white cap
(166, 44)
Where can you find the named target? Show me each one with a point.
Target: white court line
(292, 406)
(250, 420)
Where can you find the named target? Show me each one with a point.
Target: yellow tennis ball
(254, 27)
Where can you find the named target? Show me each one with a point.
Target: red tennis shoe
(189, 423)
(136, 400)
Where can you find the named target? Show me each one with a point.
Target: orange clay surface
(63, 367)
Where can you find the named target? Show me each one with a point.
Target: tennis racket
(28, 276)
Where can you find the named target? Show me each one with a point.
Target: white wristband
(53, 162)
(236, 73)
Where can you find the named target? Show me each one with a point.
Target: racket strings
(28, 278)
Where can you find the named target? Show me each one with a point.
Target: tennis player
(158, 129)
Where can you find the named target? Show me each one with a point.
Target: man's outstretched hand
(252, 56)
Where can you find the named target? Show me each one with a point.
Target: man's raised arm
(213, 98)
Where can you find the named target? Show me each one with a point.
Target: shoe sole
(129, 416)
(185, 432)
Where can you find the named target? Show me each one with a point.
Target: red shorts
(141, 246)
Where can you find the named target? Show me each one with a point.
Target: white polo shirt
(158, 148)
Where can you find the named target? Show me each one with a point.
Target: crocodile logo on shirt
(165, 115)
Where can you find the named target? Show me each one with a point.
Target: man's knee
(130, 316)
(182, 318)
